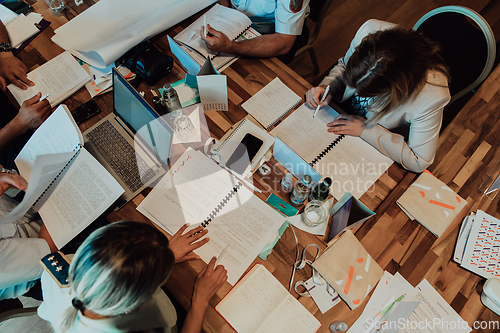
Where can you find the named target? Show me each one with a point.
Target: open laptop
(132, 143)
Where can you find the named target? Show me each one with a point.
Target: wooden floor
(344, 17)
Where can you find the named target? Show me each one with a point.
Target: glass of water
(56, 5)
(314, 213)
(183, 127)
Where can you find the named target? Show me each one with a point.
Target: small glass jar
(314, 214)
(183, 127)
(287, 183)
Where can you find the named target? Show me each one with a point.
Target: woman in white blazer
(396, 79)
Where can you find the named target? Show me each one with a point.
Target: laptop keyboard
(121, 156)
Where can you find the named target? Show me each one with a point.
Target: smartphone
(85, 111)
(18, 7)
(244, 153)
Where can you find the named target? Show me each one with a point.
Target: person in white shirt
(22, 243)
(279, 21)
(115, 279)
(398, 85)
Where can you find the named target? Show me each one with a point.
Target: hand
(181, 245)
(10, 180)
(216, 40)
(314, 95)
(208, 282)
(225, 3)
(347, 124)
(14, 70)
(33, 113)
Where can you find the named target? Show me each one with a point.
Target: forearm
(4, 36)
(394, 146)
(10, 132)
(225, 3)
(194, 318)
(264, 46)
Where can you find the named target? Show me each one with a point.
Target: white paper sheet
(110, 28)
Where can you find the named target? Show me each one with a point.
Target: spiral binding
(76, 150)
(221, 205)
(327, 149)
(284, 114)
(231, 135)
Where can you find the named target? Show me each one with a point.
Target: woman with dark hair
(397, 83)
(115, 279)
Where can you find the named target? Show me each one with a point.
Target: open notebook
(352, 163)
(272, 103)
(199, 192)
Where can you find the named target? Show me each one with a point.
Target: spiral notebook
(229, 142)
(234, 24)
(199, 192)
(352, 164)
(67, 185)
(272, 103)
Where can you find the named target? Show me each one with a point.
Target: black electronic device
(244, 153)
(85, 111)
(18, 7)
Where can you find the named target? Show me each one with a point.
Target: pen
(44, 97)
(221, 255)
(322, 99)
(205, 25)
(243, 180)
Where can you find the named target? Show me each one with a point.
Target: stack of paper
(19, 27)
(396, 306)
(478, 245)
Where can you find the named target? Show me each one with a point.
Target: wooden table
(467, 156)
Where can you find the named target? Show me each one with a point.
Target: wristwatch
(5, 47)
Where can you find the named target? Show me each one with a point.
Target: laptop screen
(140, 117)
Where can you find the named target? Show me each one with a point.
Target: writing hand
(208, 282)
(314, 95)
(347, 124)
(32, 113)
(10, 180)
(12, 69)
(216, 40)
(182, 245)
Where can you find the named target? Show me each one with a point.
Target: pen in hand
(327, 90)
(205, 25)
(221, 255)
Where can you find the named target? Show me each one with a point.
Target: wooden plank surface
(468, 156)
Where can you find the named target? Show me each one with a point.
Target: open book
(60, 77)
(66, 184)
(352, 163)
(232, 23)
(199, 192)
(260, 303)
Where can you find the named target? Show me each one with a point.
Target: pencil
(322, 99)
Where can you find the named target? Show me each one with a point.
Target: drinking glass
(56, 5)
(314, 213)
(183, 127)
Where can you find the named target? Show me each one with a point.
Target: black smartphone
(244, 153)
(85, 111)
(18, 7)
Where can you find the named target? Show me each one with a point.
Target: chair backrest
(468, 48)
(317, 11)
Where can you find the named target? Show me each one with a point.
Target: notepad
(433, 204)
(272, 103)
(259, 303)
